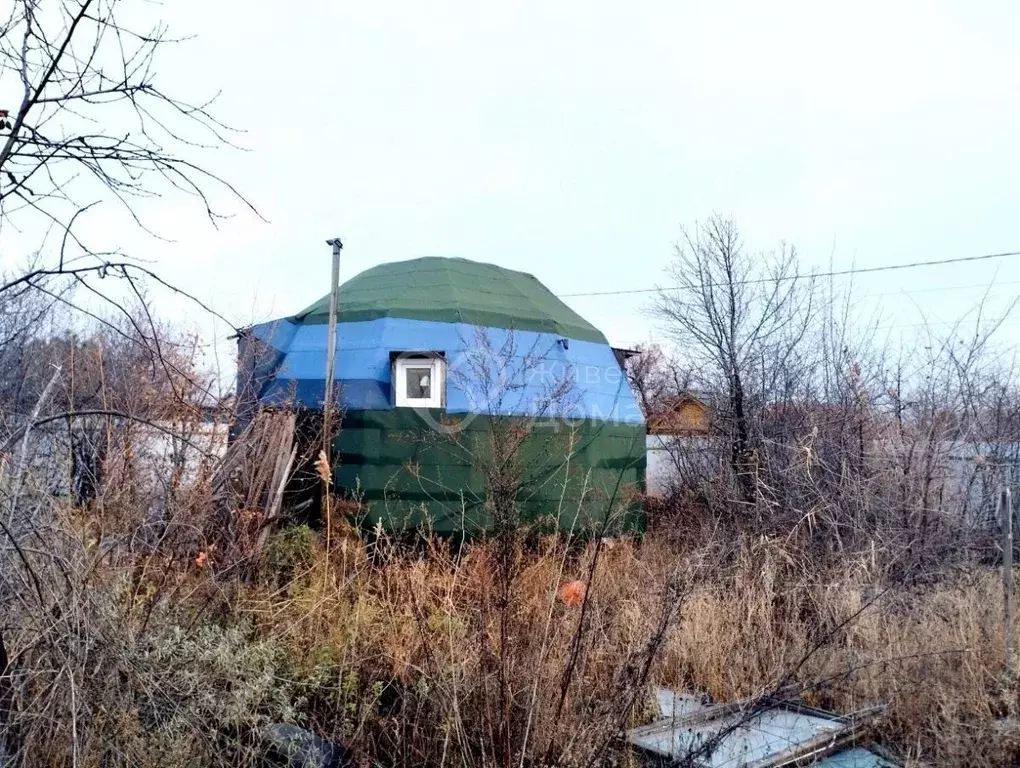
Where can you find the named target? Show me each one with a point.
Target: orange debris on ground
(572, 593)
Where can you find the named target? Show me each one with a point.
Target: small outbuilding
(459, 381)
(683, 414)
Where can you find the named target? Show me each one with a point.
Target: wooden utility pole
(1006, 508)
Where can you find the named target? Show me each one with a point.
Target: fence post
(1006, 508)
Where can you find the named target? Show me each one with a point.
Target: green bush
(289, 551)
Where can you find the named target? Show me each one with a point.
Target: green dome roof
(454, 291)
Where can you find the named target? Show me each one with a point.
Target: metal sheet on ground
(777, 736)
(760, 737)
(858, 757)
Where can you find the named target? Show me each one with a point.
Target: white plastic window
(419, 382)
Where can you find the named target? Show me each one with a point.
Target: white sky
(571, 140)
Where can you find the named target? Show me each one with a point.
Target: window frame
(405, 361)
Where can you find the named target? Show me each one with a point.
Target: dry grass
(451, 666)
(439, 655)
(933, 653)
(418, 637)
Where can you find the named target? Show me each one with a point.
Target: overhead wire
(852, 271)
(808, 276)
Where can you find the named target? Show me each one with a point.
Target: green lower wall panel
(570, 476)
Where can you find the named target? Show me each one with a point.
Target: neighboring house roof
(682, 414)
(451, 290)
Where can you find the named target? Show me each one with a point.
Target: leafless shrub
(823, 430)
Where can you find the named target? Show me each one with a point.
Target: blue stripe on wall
(491, 370)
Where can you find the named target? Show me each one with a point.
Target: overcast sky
(572, 140)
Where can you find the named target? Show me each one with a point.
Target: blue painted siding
(526, 367)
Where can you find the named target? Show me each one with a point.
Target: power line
(904, 291)
(836, 273)
(938, 323)
(937, 288)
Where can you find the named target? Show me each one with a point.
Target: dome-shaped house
(461, 384)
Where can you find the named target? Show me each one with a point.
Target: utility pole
(334, 297)
(1006, 504)
(327, 398)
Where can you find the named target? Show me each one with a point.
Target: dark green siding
(409, 474)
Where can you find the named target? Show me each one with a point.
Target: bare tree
(656, 379)
(738, 316)
(89, 125)
(92, 125)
